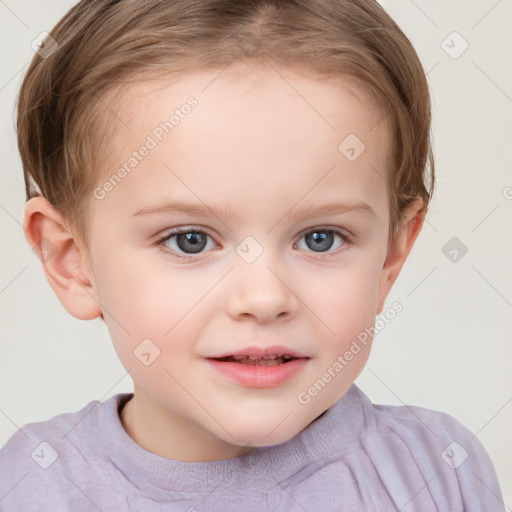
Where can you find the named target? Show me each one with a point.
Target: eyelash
(347, 240)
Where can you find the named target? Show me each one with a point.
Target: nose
(261, 290)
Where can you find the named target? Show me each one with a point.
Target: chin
(258, 435)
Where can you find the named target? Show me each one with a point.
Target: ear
(399, 248)
(63, 262)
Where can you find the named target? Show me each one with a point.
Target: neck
(171, 436)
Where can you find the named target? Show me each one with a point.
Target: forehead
(284, 90)
(255, 131)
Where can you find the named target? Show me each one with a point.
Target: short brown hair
(63, 133)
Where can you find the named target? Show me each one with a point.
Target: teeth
(261, 362)
(267, 358)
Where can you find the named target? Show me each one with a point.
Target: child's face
(255, 150)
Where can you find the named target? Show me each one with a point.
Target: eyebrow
(294, 212)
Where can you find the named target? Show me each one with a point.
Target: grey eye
(321, 240)
(191, 242)
(188, 242)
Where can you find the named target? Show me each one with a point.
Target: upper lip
(260, 352)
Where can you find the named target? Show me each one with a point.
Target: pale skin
(254, 145)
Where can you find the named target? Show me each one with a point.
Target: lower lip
(259, 376)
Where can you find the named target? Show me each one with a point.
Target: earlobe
(62, 260)
(398, 250)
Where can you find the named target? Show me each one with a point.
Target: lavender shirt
(355, 457)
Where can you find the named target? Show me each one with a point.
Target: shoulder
(434, 450)
(430, 430)
(36, 458)
(40, 440)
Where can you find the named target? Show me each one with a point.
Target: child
(288, 142)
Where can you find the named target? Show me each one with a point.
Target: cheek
(127, 295)
(345, 300)
(133, 287)
(144, 299)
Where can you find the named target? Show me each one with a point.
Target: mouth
(255, 367)
(259, 372)
(269, 360)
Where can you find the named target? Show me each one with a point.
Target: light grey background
(449, 349)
